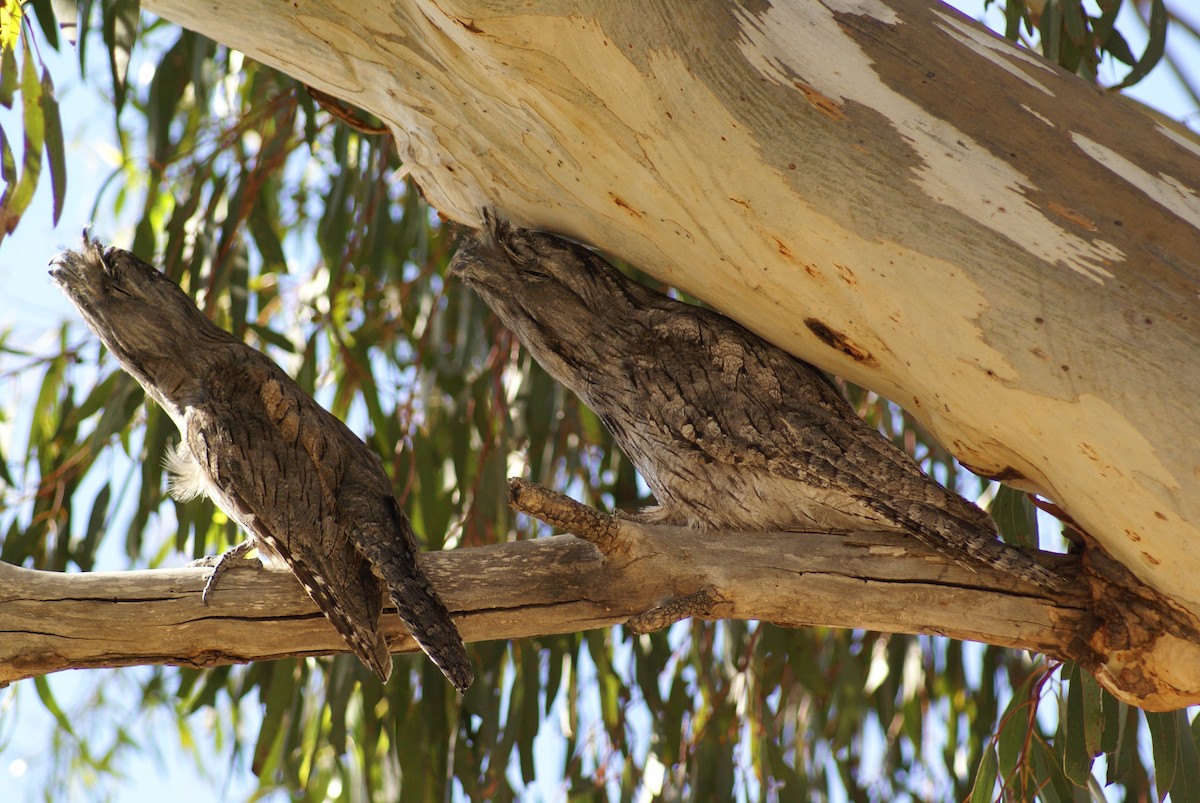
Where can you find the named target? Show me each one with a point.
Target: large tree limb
(879, 186)
(876, 581)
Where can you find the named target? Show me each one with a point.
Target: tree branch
(874, 581)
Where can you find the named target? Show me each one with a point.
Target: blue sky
(34, 310)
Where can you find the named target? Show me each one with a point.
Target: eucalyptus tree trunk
(880, 187)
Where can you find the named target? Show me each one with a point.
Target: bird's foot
(223, 563)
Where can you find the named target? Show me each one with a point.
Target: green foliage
(10, 24)
(1069, 34)
(40, 120)
(301, 235)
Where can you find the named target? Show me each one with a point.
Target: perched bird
(727, 430)
(297, 480)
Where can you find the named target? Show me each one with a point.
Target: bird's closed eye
(115, 287)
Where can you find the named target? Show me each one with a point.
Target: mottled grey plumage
(728, 431)
(297, 480)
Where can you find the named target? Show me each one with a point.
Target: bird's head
(148, 323)
(575, 312)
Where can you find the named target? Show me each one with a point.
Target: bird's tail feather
(430, 624)
(417, 603)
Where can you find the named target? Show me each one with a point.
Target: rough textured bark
(300, 484)
(876, 581)
(548, 585)
(880, 187)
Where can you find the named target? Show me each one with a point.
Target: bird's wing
(383, 534)
(747, 405)
(264, 444)
(753, 405)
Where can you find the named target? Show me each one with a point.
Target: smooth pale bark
(883, 188)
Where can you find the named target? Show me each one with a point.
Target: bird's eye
(115, 287)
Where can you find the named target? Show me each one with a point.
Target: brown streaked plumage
(297, 480)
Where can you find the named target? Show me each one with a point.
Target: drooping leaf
(1016, 516)
(982, 791)
(1155, 46)
(10, 74)
(1186, 783)
(1164, 739)
(121, 18)
(56, 16)
(46, 695)
(18, 192)
(1077, 759)
(1051, 782)
(54, 145)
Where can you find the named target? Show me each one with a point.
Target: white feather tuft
(187, 480)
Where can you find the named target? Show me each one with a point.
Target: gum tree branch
(874, 581)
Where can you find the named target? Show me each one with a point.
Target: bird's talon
(223, 563)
